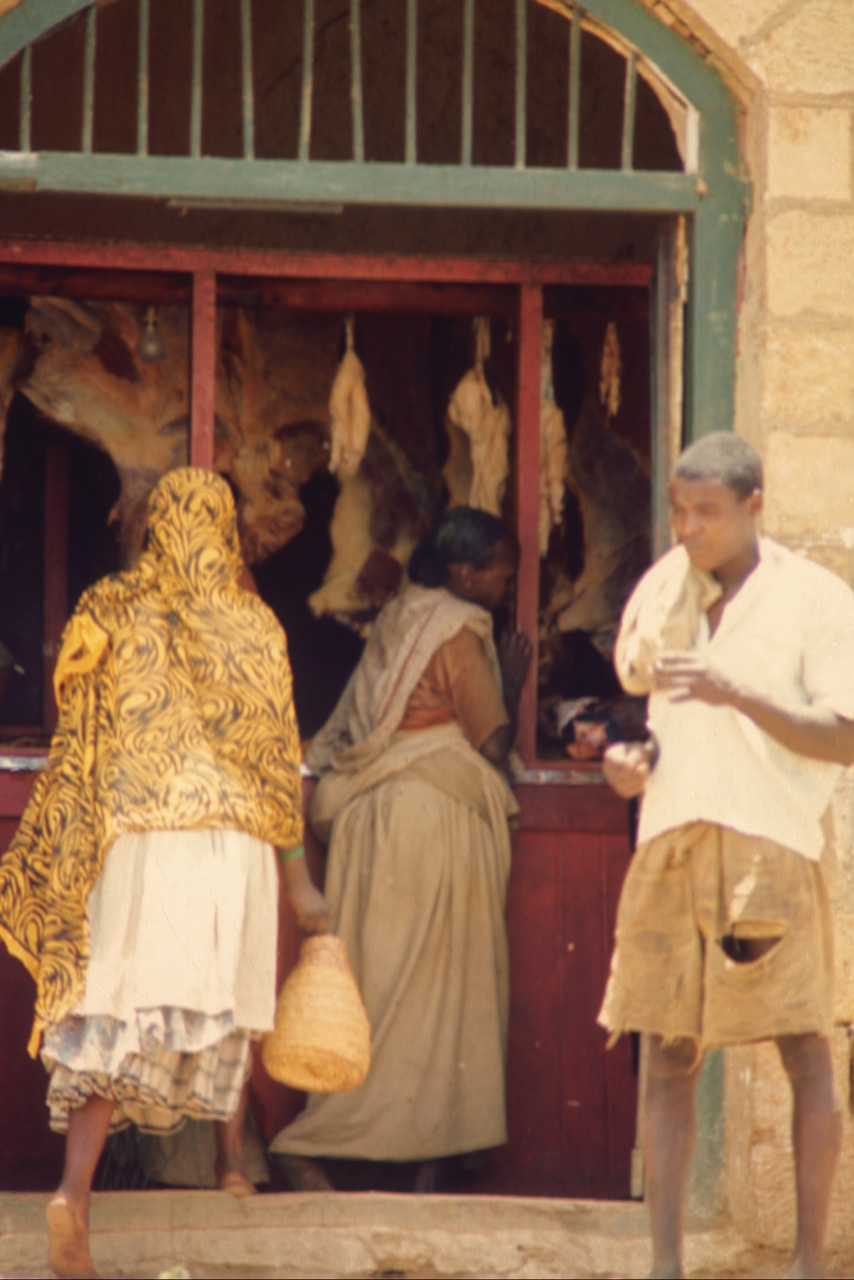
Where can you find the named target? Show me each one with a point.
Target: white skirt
(181, 975)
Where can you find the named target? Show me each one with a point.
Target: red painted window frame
(378, 272)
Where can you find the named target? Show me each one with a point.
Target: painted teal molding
(450, 186)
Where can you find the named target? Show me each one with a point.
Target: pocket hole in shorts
(746, 950)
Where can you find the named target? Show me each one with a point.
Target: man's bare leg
(68, 1211)
(229, 1168)
(668, 1140)
(816, 1140)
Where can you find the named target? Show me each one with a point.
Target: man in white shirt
(723, 930)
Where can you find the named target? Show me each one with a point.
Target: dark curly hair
(463, 535)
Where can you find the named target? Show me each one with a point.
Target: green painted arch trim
(32, 19)
(675, 59)
(716, 230)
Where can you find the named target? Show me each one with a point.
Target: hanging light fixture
(150, 345)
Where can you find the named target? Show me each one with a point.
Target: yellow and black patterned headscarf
(175, 713)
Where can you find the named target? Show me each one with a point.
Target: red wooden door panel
(570, 1104)
(532, 1162)
(30, 1155)
(599, 1086)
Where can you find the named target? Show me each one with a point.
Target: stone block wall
(791, 65)
(761, 1148)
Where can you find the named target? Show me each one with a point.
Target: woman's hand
(310, 906)
(514, 658)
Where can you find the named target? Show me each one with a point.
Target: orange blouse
(458, 684)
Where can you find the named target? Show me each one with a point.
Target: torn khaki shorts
(685, 892)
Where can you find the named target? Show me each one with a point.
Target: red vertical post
(55, 569)
(529, 354)
(203, 366)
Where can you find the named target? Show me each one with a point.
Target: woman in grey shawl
(415, 805)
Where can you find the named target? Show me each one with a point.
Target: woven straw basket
(321, 1041)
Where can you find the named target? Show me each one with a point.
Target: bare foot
(801, 1268)
(304, 1174)
(68, 1240)
(666, 1271)
(236, 1183)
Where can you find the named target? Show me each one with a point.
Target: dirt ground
(758, 1264)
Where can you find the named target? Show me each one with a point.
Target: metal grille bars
(361, 178)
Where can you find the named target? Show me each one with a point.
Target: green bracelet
(294, 853)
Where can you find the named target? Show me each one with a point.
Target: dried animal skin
(479, 431)
(376, 520)
(350, 414)
(610, 372)
(87, 378)
(352, 530)
(11, 354)
(553, 448)
(552, 470)
(611, 486)
(349, 533)
(341, 595)
(272, 378)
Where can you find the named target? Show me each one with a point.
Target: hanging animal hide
(478, 428)
(78, 364)
(611, 486)
(553, 448)
(349, 413)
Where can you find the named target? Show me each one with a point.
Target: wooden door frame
(386, 275)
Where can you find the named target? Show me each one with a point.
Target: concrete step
(146, 1233)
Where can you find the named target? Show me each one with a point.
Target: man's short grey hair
(723, 456)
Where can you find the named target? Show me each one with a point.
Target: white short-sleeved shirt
(788, 635)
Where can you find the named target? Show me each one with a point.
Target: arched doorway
(418, 165)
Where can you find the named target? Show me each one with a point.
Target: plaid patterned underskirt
(181, 977)
(173, 1064)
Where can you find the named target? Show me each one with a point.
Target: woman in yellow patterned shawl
(141, 888)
